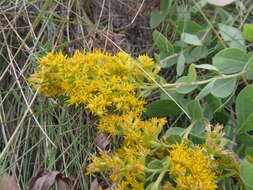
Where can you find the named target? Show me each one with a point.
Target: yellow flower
(191, 168)
(105, 83)
(138, 135)
(110, 87)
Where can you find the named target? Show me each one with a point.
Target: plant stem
(158, 181)
(198, 82)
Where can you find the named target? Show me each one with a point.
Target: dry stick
(17, 80)
(48, 19)
(2, 119)
(19, 37)
(156, 185)
(35, 95)
(146, 73)
(169, 57)
(108, 28)
(246, 16)
(15, 74)
(17, 128)
(100, 16)
(188, 130)
(210, 24)
(135, 16)
(34, 25)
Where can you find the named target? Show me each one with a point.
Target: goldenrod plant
(104, 83)
(172, 112)
(111, 86)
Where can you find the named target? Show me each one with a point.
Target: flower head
(191, 168)
(105, 83)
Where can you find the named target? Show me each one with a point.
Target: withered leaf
(62, 185)
(94, 185)
(44, 180)
(102, 141)
(8, 183)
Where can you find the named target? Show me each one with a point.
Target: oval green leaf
(162, 108)
(162, 42)
(220, 2)
(156, 17)
(232, 36)
(244, 105)
(223, 87)
(230, 60)
(180, 64)
(248, 32)
(205, 91)
(246, 125)
(186, 88)
(195, 110)
(207, 67)
(191, 39)
(246, 173)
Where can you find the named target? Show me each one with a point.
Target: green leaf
(232, 36)
(165, 4)
(246, 173)
(191, 39)
(214, 103)
(249, 69)
(176, 96)
(162, 43)
(249, 151)
(223, 87)
(162, 108)
(197, 139)
(244, 105)
(156, 17)
(155, 164)
(185, 89)
(150, 186)
(196, 54)
(207, 67)
(248, 32)
(188, 26)
(180, 64)
(175, 131)
(205, 91)
(166, 60)
(230, 60)
(192, 74)
(174, 135)
(220, 2)
(250, 65)
(246, 125)
(173, 139)
(245, 139)
(195, 110)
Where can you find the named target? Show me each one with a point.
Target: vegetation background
(41, 132)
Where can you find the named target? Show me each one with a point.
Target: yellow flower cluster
(191, 168)
(105, 83)
(109, 86)
(126, 165)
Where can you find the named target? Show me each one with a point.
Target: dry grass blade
(44, 180)
(8, 183)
